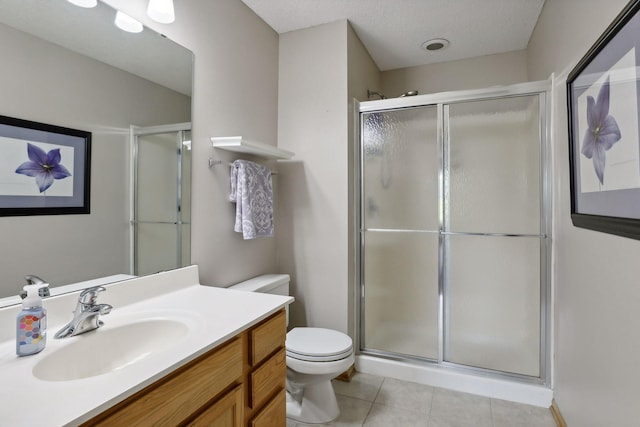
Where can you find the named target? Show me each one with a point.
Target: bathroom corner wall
(473, 73)
(322, 69)
(314, 189)
(363, 74)
(235, 93)
(597, 291)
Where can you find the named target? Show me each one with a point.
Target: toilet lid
(318, 344)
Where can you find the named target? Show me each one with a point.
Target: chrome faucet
(86, 316)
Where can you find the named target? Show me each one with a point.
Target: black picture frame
(604, 127)
(44, 169)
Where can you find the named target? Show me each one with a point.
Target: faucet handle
(90, 295)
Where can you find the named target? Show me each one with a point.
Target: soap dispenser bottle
(31, 323)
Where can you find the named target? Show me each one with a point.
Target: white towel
(252, 192)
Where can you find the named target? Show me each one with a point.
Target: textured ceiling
(393, 30)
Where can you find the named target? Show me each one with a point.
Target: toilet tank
(277, 284)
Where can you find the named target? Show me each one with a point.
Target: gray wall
(235, 93)
(45, 83)
(597, 293)
(473, 73)
(322, 69)
(312, 114)
(362, 74)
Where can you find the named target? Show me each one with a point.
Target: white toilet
(315, 356)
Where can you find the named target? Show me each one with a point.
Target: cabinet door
(176, 398)
(273, 414)
(267, 337)
(226, 412)
(267, 378)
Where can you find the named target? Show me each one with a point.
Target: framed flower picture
(604, 130)
(44, 169)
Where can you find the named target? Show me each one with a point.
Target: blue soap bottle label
(31, 323)
(32, 337)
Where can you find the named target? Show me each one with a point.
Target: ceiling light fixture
(435, 44)
(84, 3)
(161, 11)
(127, 23)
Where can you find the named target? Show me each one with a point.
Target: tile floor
(372, 401)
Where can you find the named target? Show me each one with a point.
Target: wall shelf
(239, 145)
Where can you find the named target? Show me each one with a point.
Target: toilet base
(317, 405)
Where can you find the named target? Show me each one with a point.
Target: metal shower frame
(442, 101)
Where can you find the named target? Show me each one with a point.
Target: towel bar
(214, 162)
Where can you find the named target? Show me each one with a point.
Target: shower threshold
(457, 379)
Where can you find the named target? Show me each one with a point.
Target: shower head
(371, 94)
(409, 93)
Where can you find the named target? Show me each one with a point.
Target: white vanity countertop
(214, 315)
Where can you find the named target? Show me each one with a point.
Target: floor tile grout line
(353, 397)
(373, 402)
(433, 393)
(378, 391)
(364, 421)
(493, 419)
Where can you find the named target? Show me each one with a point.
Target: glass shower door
(492, 234)
(400, 232)
(453, 221)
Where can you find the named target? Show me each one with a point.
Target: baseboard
(348, 374)
(557, 416)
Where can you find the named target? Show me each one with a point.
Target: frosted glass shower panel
(494, 166)
(157, 180)
(401, 285)
(156, 248)
(493, 306)
(186, 245)
(400, 169)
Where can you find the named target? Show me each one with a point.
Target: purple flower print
(45, 167)
(602, 132)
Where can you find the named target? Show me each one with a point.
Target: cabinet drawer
(228, 411)
(268, 378)
(274, 414)
(267, 337)
(171, 401)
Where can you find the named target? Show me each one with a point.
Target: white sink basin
(110, 349)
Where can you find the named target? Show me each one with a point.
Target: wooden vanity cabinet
(239, 383)
(265, 373)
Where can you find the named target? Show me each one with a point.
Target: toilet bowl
(314, 356)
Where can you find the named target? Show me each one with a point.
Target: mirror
(72, 67)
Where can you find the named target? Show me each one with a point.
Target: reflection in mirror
(161, 198)
(72, 67)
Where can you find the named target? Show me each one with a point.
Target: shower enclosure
(454, 230)
(161, 198)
